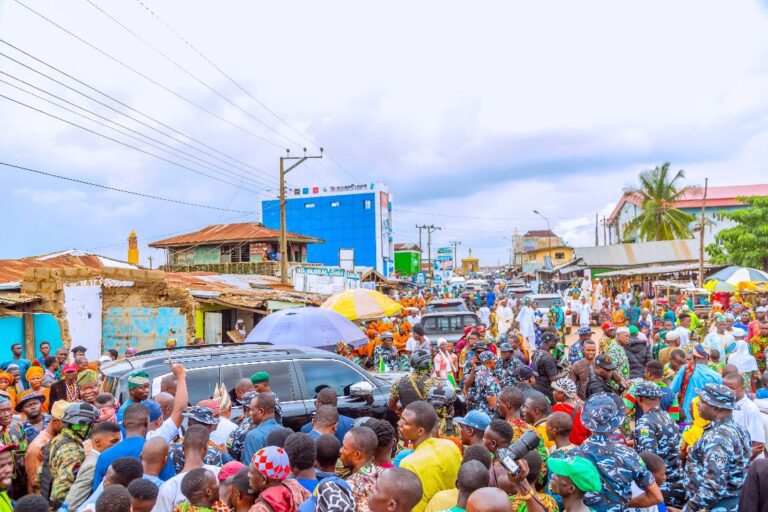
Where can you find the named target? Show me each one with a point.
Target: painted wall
(142, 328)
(83, 306)
(207, 254)
(12, 331)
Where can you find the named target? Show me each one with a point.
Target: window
(279, 376)
(321, 374)
(182, 257)
(235, 253)
(367, 204)
(559, 255)
(335, 204)
(201, 383)
(309, 205)
(470, 321)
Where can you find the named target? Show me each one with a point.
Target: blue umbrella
(308, 327)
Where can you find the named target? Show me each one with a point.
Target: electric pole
(597, 239)
(430, 229)
(701, 234)
(421, 251)
(605, 233)
(455, 244)
(283, 239)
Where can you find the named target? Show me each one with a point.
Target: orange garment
(34, 459)
(42, 391)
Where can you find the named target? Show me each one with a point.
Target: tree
(746, 243)
(658, 218)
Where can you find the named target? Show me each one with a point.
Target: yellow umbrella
(362, 304)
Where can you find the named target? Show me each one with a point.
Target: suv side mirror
(361, 389)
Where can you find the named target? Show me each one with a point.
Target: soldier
(618, 464)
(236, 440)
(197, 415)
(415, 386)
(385, 356)
(717, 463)
(66, 452)
(442, 399)
(604, 380)
(482, 388)
(506, 366)
(260, 382)
(657, 432)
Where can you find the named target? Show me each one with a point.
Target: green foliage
(658, 219)
(746, 243)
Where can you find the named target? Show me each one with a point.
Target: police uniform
(483, 386)
(717, 463)
(66, 456)
(236, 440)
(657, 432)
(386, 359)
(618, 464)
(505, 370)
(214, 456)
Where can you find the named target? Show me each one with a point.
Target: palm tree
(658, 218)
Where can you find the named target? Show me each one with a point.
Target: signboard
(445, 258)
(347, 259)
(325, 280)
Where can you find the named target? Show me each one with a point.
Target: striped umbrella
(734, 275)
(362, 304)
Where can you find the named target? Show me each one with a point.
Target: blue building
(353, 217)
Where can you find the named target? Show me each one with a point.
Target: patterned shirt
(657, 432)
(362, 483)
(483, 386)
(619, 357)
(547, 501)
(236, 440)
(758, 345)
(505, 370)
(386, 359)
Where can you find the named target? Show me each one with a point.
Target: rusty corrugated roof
(14, 270)
(223, 233)
(10, 299)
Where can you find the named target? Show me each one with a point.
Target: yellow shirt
(436, 462)
(443, 500)
(541, 429)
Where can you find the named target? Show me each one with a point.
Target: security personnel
(506, 366)
(618, 464)
(260, 381)
(442, 399)
(66, 453)
(603, 380)
(482, 388)
(236, 440)
(657, 432)
(385, 356)
(204, 416)
(415, 386)
(717, 463)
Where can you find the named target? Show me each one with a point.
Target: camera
(509, 456)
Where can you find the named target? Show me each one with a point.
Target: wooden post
(29, 335)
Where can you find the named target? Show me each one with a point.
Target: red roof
(224, 233)
(540, 233)
(716, 197)
(14, 270)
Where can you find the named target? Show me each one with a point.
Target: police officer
(604, 379)
(442, 399)
(478, 346)
(717, 463)
(506, 366)
(618, 464)
(415, 386)
(66, 453)
(385, 356)
(236, 440)
(204, 416)
(576, 351)
(657, 432)
(482, 388)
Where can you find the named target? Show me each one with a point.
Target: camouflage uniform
(658, 433)
(236, 440)
(483, 386)
(66, 456)
(213, 457)
(413, 387)
(505, 371)
(717, 465)
(386, 359)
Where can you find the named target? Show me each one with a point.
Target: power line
(123, 104)
(124, 191)
(482, 218)
(149, 79)
(54, 116)
(251, 182)
(189, 73)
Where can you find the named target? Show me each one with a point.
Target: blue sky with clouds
(474, 115)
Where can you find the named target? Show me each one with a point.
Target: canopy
(362, 304)
(735, 275)
(308, 327)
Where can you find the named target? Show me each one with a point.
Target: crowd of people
(656, 414)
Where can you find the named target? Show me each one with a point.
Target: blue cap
(583, 331)
(474, 419)
(155, 412)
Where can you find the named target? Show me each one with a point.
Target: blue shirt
(257, 439)
(342, 427)
(761, 393)
(128, 447)
(308, 484)
(702, 375)
(490, 299)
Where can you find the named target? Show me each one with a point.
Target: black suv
(296, 374)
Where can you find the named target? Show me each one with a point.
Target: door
(212, 328)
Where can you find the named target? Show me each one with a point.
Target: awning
(657, 269)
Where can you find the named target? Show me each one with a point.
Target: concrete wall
(142, 328)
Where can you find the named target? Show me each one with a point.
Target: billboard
(445, 258)
(325, 280)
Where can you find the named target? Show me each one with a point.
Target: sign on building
(325, 280)
(445, 258)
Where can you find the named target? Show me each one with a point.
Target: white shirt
(223, 429)
(637, 491)
(749, 417)
(584, 311)
(484, 314)
(525, 318)
(685, 337)
(170, 492)
(504, 316)
(168, 431)
(412, 344)
(718, 342)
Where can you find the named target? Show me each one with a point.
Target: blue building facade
(357, 217)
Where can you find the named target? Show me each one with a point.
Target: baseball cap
(581, 471)
(605, 362)
(474, 419)
(607, 326)
(230, 469)
(633, 330)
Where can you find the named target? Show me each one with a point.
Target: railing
(264, 268)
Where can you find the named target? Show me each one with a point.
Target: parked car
(440, 305)
(517, 292)
(544, 301)
(296, 375)
(448, 325)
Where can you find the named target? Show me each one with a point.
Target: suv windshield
(448, 323)
(547, 302)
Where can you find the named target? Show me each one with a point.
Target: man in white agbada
(240, 327)
(584, 310)
(526, 320)
(504, 316)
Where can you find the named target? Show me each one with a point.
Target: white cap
(672, 335)
(738, 332)
(761, 309)
(441, 341)
(622, 329)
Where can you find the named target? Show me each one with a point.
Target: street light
(549, 235)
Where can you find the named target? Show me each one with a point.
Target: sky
(473, 115)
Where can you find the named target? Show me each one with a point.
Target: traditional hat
(70, 367)
(213, 405)
(272, 462)
(229, 469)
(34, 371)
(88, 377)
(59, 408)
(137, 379)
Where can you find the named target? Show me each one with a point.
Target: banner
(325, 280)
